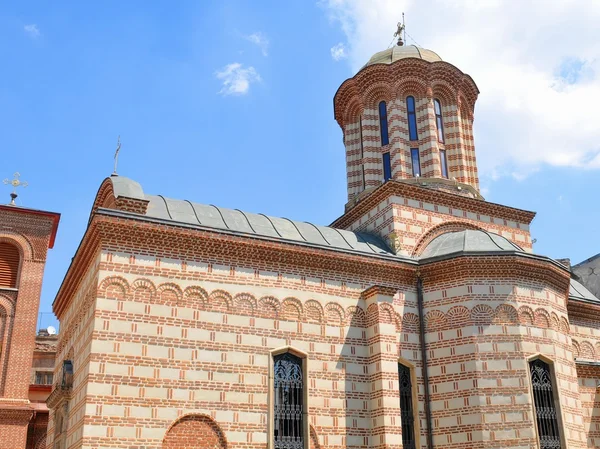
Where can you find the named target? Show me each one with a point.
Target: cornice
(437, 197)
(409, 73)
(503, 264)
(77, 269)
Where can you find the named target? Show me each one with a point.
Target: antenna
(403, 26)
(51, 330)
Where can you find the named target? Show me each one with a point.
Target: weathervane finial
(117, 156)
(15, 183)
(399, 32)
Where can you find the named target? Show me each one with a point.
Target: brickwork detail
(31, 232)
(194, 431)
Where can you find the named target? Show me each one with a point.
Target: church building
(420, 318)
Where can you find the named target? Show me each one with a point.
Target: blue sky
(230, 103)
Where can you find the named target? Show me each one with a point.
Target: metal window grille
(288, 407)
(543, 397)
(406, 408)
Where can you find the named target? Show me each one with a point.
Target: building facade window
(387, 166)
(544, 401)
(406, 407)
(288, 405)
(9, 265)
(43, 378)
(415, 161)
(439, 120)
(383, 123)
(412, 119)
(443, 163)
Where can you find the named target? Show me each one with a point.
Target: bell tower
(411, 171)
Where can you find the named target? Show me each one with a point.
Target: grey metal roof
(260, 225)
(578, 291)
(467, 241)
(396, 53)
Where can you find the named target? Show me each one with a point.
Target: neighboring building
(588, 273)
(41, 386)
(25, 236)
(418, 319)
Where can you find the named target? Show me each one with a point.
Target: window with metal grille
(406, 407)
(544, 401)
(383, 123)
(412, 118)
(439, 120)
(9, 265)
(288, 402)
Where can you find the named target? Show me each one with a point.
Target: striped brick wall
(458, 144)
(412, 221)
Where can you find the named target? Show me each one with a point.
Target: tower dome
(398, 52)
(407, 116)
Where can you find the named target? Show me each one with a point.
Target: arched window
(407, 416)
(9, 265)
(288, 402)
(544, 400)
(383, 123)
(412, 118)
(439, 120)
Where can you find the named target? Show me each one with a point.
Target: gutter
(425, 366)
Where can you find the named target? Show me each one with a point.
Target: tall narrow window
(383, 123)
(416, 163)
(412, 118)
(545, 411)
(9, 265)
(443, 163)
(288, 402)
(362, 148)
(387, 166)
(406, 408)
(439, 120)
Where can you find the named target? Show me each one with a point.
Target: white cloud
(261, 40)
(537, 65)
(32, 30)
(338, 52)
(236, 79)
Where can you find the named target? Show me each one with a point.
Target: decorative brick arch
(194, 431)
(443, 228)
(22, 243)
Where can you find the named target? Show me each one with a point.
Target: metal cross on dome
(16, 182)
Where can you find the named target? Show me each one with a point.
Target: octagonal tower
(408, 116)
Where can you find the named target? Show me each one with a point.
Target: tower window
(383, 123)
(443, 163)
(288, 402)
(416, 163)
(439, 120)
(387, 166)
(406, 407)
(9, 265)
(412, 118)
(544, 400)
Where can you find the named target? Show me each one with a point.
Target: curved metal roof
(578, 291)
(235, 220)
(396, 53)
(468, 241)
